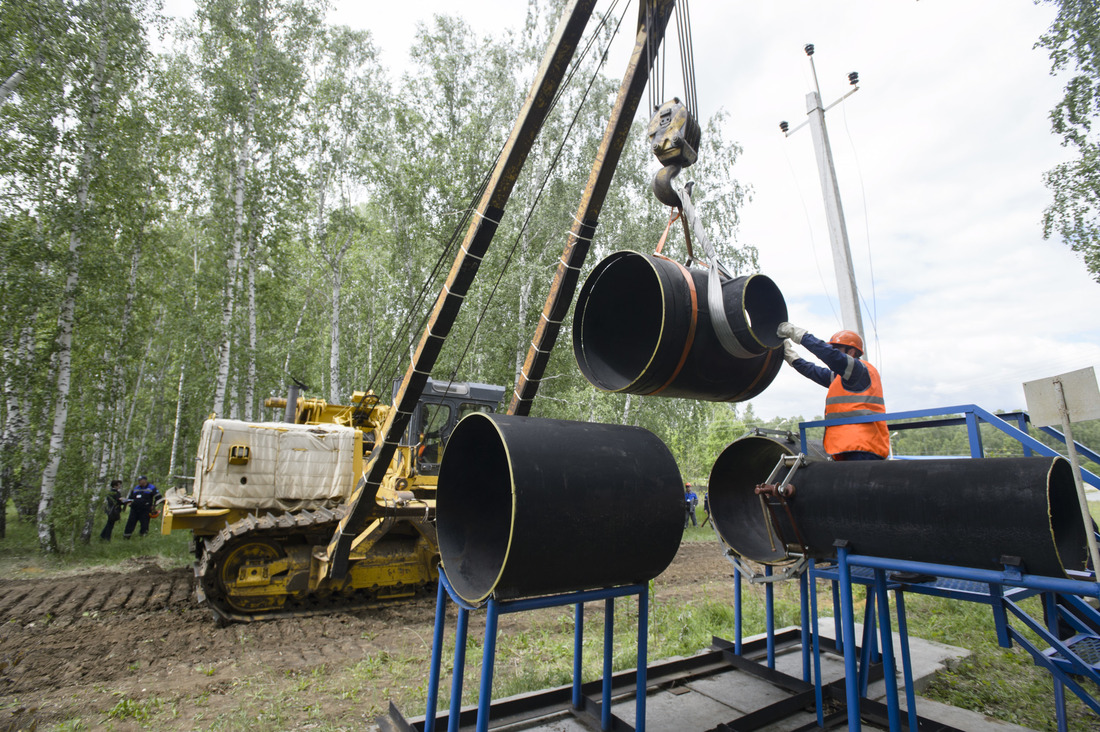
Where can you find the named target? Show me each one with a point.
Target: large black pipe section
(961, 512)
(642, 326)
(527, 507)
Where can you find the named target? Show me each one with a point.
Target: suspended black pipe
(528, 507)
(642, 326)
(962, 512)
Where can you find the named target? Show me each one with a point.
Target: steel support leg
(1051, 605)
(906, 660)
(578, 653)
(889, 672)
(608, 648)
(643, 660)
(815, 639)
(462, 627)
(488, 658)
(737, 611)
(804, 618)
(868, 654)
(437, 657)
(848, 622)
(769, 602)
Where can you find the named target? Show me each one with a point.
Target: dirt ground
(77, 646)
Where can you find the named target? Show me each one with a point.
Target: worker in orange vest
(855, 388)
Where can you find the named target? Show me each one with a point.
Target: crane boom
(653, 16)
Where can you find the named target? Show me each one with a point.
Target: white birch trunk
(14, 80)
(233, 265)
(46, 538)
(176, 423)
(250, 379)
(244, 159)
(335, 386)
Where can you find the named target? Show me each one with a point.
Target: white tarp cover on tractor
(290, 467)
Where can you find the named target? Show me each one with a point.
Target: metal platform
(718, 690)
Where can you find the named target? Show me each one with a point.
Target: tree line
(195, 215)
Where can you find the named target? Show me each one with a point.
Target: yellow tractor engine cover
(275, 466)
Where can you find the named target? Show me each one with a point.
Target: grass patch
(137, 710)
(1003, 683)
(21, 558)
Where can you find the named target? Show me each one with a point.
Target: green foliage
(137, 710)
(1075, 214)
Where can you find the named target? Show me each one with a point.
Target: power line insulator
(784, 126)
(853, 78)
(809, 49)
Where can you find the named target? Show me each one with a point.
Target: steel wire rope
(872, 309)
(389, 358)
(549, 170)
(687, 57)
(810, 231)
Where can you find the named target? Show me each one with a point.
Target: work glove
(789, 354)
(788, 330)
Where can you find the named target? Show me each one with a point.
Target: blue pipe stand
(582, 705)
(1071, 661)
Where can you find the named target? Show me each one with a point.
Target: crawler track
(267, 536)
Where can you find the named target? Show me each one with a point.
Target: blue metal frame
(1002, 591)
(972, 417)
(494, 608)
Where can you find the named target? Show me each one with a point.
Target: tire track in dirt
(70, 644)
(68, 598)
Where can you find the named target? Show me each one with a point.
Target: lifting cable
(687, 56)
(556, 158)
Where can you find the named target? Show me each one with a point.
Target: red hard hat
(847, 338)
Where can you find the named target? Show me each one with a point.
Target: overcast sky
(939, 155)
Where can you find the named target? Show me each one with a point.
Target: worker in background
(112, 504)
(855, 388)
(690, 502)
(142, 499)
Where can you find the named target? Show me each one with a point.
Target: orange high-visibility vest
(868, 437)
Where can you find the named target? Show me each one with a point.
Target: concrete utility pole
(851, 317)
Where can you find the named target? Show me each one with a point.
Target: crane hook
(674, 138)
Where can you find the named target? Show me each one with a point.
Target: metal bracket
(789, 571)
(774, 494)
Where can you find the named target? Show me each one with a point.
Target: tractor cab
(439, 409)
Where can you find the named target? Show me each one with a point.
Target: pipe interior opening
(1066, 523)
(734, 506)
(622, 321)
(474, 503)
(765, 309)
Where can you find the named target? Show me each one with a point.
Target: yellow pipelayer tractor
(268, 495)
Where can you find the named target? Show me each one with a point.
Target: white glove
(789, 354)
(788, 330)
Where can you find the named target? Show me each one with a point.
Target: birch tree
(114, 45)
